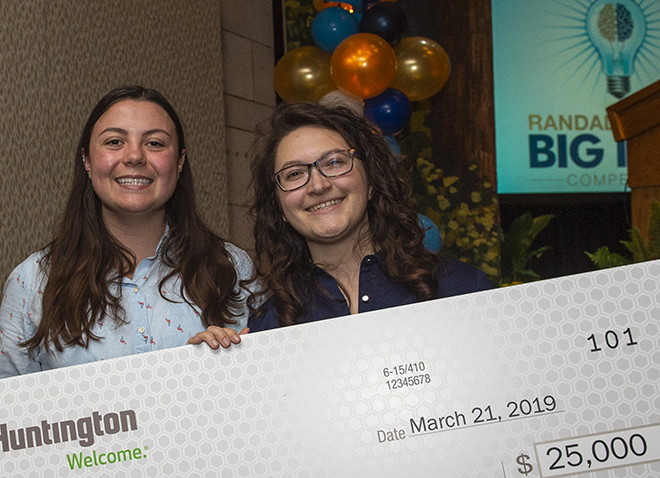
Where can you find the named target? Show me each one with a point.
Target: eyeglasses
(330, 165)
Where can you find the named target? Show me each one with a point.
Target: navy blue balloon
(432, 237)
(390, 111)
(331, 26)
(385, 19)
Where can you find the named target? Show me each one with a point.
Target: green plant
(641, 250)
(516, 248)
(465, 208)
(299, 17)
(468, 227)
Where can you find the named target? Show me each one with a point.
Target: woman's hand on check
(216, 337)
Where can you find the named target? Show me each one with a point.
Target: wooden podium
(636, 119)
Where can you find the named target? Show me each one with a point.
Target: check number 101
(611, 340)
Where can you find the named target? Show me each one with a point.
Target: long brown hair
(283, 258)
(84, 259)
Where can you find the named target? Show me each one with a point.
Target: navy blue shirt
(376, 291)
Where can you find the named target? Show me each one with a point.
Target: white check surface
(554, 378)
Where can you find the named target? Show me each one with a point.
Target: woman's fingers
(216, 337)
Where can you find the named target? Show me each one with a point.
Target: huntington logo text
(83, 430)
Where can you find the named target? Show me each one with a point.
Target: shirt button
(365, 298)
(136, 290)
(141, 330)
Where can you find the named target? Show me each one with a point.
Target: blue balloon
(432, 238)
(331, 26)
(385, 19)
(390, 111)
(393, 144)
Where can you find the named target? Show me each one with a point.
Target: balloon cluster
(362, 60)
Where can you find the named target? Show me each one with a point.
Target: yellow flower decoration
(448, 181)
(443, 203)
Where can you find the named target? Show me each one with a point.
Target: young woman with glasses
(336, 231)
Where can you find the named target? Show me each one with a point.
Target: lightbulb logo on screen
(619, 39)
(557, 68)
(617, 30)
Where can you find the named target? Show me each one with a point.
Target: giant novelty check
(555, 378)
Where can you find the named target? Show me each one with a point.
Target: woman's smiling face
(325, 210)
(133, 159)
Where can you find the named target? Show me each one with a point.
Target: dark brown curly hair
(84, 259)
(284, 261)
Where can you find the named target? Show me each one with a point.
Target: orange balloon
(303, 74)
(322, 5)
(422, 68)
(363, 65)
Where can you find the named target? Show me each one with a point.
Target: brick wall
(248, 63)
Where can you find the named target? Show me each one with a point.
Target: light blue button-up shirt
(152, 323)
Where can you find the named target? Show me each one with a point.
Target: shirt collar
(161, 243)
(380, 257)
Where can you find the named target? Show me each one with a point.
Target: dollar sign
(526, 467)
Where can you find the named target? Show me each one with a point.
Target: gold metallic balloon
(303, 74)
(363, 65)
(422, 68)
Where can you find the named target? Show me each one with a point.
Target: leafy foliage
(299, 17)
(641, 250)
(467, 220)
(604, 259)
(517, 249)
